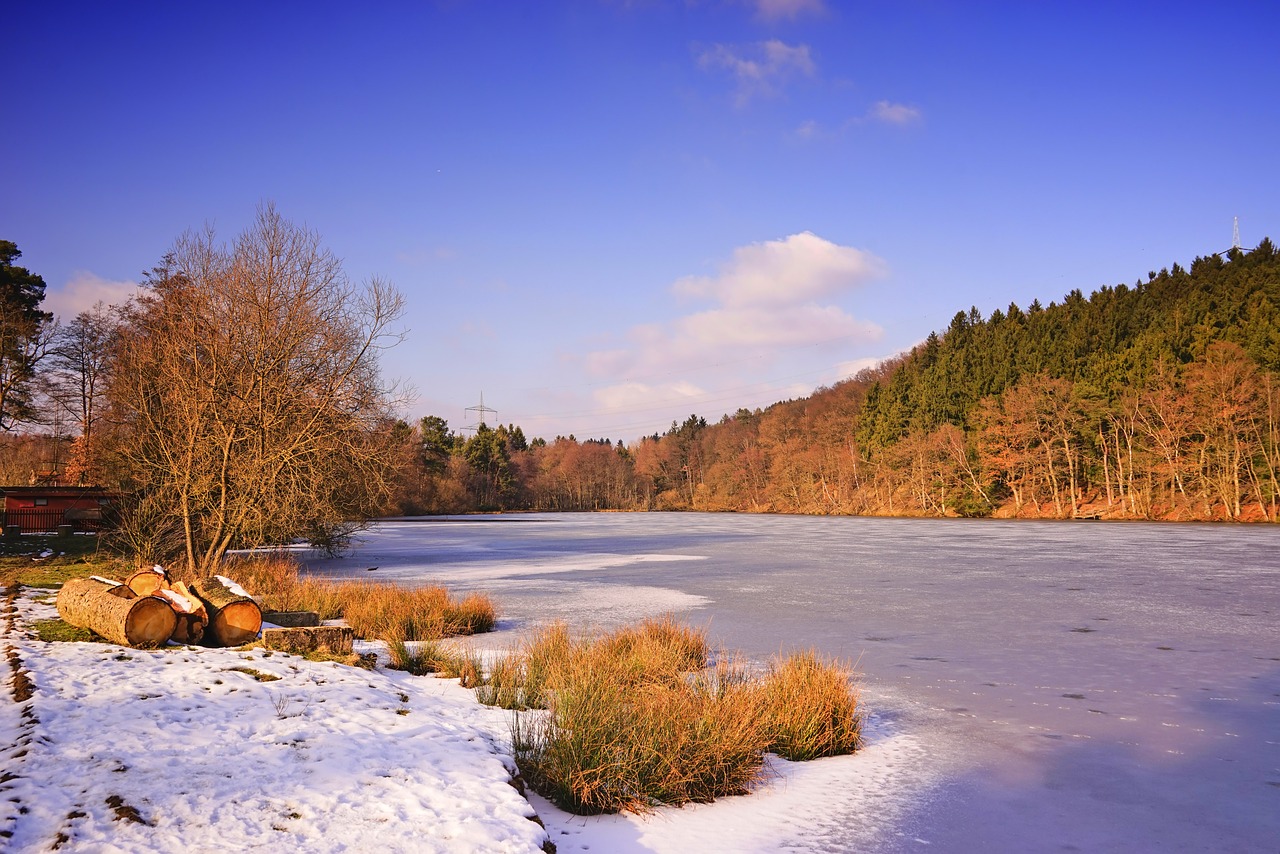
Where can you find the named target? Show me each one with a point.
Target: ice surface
(1030, 686)
(1093, 686)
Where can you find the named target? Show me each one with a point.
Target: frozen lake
(1064, 686)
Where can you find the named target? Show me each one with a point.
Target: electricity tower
(481, 410)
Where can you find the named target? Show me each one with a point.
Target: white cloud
(784, 326)
(760, 69)
(893, 114)
(781, 272)
(768, 319)
(83, 291)
(625, 397)
(774, 10)
(845, 370)
(767, 298)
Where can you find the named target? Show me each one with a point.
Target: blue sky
(606, 216)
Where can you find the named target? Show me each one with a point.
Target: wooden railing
(42, 520)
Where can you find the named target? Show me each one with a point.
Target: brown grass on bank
(610, 743)
(636, 718)
(811, 707)
(373, 610)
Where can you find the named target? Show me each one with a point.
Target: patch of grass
(58, 630)
(258, 675)
(627, 730)
(75, 557)
(519, 679)
(638, 718)
(811, 707)
(374, 610)
(431, 657)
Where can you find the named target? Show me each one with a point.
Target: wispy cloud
(776, 10)
(760, 69)
(881, 113)
(890, 113)
(420, 257)
(83, 291)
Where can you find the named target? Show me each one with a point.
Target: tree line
(1159, 400)
(237, 400)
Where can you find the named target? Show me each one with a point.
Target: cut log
(190, 612)
(144, 582)
(291, 619)
(335, 640)
(143, 621)
(233, 619)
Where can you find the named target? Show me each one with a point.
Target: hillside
(1156, 400)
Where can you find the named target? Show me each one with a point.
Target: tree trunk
(138, 621)
(234, 619)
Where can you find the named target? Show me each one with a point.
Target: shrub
(633, 719)
(636, 718)
(519, 679)
(811, 707)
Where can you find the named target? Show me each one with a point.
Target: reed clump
(811, 707)
(373, 610)
(638, 717)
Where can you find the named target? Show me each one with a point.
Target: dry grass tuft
(633, 719)
(811, 707)
(637, 718)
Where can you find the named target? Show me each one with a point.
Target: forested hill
(1156, 400)
(1109, 343)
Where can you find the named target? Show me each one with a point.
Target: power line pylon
(481, 411)
(1235, 233)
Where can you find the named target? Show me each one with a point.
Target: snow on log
(113, 587)
(233, 619)
(143, 621)
(190, 612)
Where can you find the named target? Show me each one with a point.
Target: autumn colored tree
(245, 395)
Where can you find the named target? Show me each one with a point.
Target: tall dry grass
(617, 737)
(519, 679)
(374, 610)
(810, 706)
(637, 718)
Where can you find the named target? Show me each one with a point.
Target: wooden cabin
(38, 509)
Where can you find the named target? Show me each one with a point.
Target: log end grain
(149, 623)
(235, 624)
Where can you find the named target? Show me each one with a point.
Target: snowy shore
(123, 750)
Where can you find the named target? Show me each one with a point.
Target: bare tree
(247, 397)
(76, 383)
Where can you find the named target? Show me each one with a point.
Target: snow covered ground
(186, 749)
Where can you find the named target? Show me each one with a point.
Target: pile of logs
(146, 611)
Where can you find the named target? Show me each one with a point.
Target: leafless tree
(246, 395)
